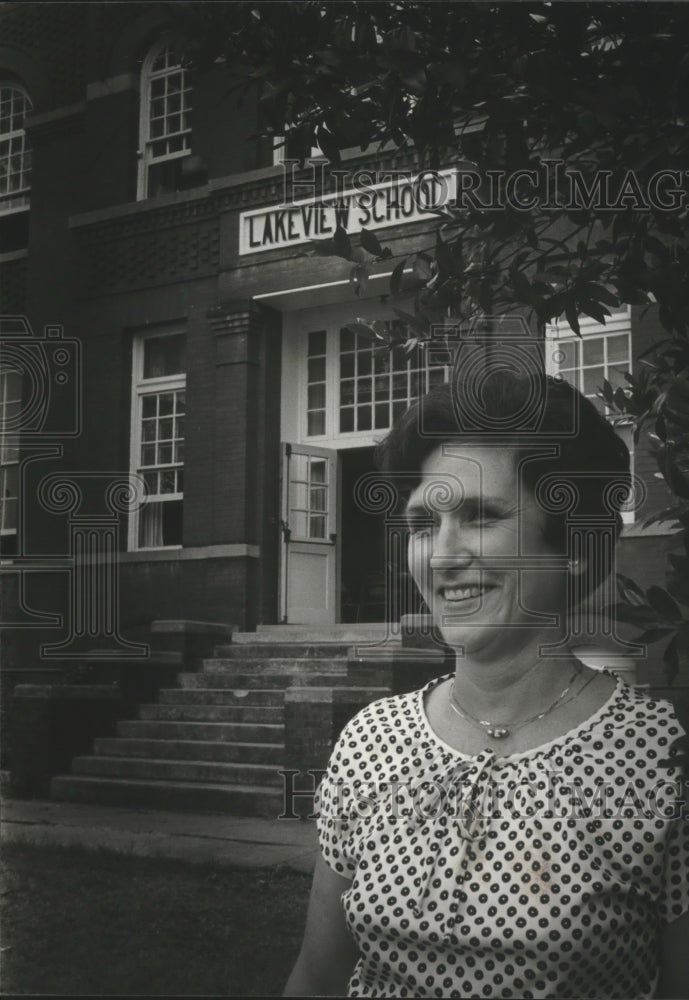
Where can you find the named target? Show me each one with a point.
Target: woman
(507, 831)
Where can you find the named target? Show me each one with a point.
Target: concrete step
(181, 729)
(317, 634)
(227, 799)
(284, 650)
(259, 665)
(229, 678)
(241, 697)
(177, 770)
(238, 753)
(272, 714)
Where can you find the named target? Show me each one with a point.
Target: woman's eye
(417, 525)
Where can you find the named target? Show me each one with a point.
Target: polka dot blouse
(547, 873)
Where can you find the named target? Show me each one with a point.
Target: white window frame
(618, 323)
(19, 200)
(332, 437)
(142, 387)
(146, 159)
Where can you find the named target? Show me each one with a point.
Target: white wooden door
(309, 582)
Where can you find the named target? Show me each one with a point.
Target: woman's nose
(450, 547)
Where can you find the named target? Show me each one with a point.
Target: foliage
(509, 88)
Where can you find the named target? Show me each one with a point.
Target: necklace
(500, 730)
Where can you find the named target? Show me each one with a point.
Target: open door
(309, 584)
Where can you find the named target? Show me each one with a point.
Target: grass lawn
(93, 922)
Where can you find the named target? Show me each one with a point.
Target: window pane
(319, 498)
(363, 418)
(316, 369)
(179, 402)
(381, 362)
(593, 380)
(317, 524)
(616, 377)
(164, 454)
(364, 362)
(382, 387)
(346, 420)
(618, 349)
(316, 343)
(399, 386)
(346, 340)
(382, 415)
(151, 482)
(347, 366)
(364, 390)
(316, 397)
(148, 454)
(315, 423)
(592, 348)
(167, 481)
(164, 356)
(148, 431)
(347, 392)
(318, 471)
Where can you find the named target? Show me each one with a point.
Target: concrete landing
(245, 842)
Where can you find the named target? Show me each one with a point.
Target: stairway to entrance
(216, 741)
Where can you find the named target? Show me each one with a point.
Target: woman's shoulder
(644, 714)
(394, 718)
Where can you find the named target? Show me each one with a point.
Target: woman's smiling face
(470, 522)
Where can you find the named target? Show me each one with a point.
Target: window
(377, 385)
(10, 408)
(15, 154)
(315, 392)
(308, 502)
(293, 146)
(158, 407)
(165, 126)
(602, 352)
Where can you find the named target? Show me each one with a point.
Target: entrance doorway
(371, 589)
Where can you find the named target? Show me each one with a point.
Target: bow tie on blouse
(453, 794)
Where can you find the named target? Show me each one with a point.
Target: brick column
(245, 475)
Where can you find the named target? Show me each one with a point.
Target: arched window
(165, 127)
(15, 154)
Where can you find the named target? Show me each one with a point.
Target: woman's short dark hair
(591, 459)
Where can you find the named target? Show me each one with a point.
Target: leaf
(522, 286)
(342, 244)
(572, 318)
(370, 242)
(663, 603)
(629, 590)
(642, 617)
(396, 277)
(328, 145)
(422, 267)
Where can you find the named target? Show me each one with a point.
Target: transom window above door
(355, 387)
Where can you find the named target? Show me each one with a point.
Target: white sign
(374, 206)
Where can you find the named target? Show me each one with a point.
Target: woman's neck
(512, 686)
